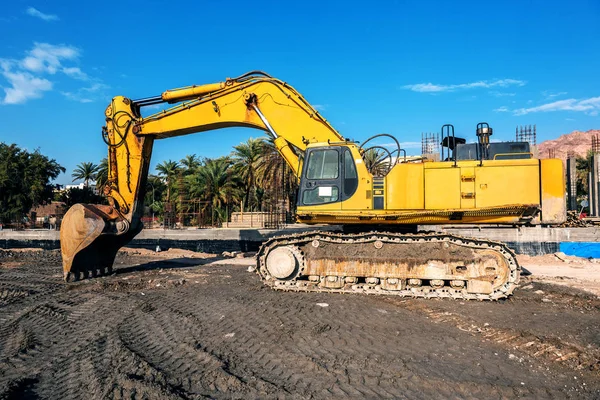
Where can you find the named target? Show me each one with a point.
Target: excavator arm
(91, 235)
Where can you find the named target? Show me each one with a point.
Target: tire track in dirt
(168, 340)
(234, 338)
(25, 340)
(577, 356)
(329, 360)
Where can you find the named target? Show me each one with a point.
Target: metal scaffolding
(430, 145)
(526, 133)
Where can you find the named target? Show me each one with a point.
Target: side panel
(405, 187)
(500, 183)
(553, 192)
(442, 188)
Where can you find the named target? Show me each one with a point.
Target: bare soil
(560, 269)
(187, 326)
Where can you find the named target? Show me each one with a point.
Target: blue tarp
(581, 249)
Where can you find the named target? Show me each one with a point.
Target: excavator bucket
(87, 248)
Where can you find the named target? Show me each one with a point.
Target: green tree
(24, 180)
(154, 192)
(246, 157)
(215, 183)
(81, 195)
(376, 161)
(275, 177)
(168, 170)
(85, 171)
(583, 165)
(190, 164)
(102, 173)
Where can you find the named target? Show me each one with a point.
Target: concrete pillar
(595, 184)
(591, 195)
(572, 183)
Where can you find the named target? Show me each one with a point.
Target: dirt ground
(181, 325)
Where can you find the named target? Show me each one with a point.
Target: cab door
(321, 181)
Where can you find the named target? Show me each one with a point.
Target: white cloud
(320, 107)
(501, 109)
(403, 145)
(434, 88)
(10, 19)
(24, 86)
(87, 94)
(75, 72)
(590, 106)
(38, 14)
(48, 58)
(496, 93)
(549, 95)
(27, 76)
(410, 145)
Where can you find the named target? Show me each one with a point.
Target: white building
(81, 186)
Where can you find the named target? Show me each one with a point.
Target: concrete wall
(537, 240)
(524, 240)
(202, 240)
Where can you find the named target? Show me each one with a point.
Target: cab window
(320, 195)
(350, 176)
(323, 164)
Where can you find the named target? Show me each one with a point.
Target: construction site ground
(184, 325)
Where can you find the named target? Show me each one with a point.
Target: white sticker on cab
(324, 191)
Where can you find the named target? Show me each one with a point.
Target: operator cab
(329, 175)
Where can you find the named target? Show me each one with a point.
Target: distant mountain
(576, 142)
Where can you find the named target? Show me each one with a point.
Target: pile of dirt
(573, 221)
(561, 269)
(29, 254)
(168, 253)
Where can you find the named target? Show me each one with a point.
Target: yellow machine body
(514, 191)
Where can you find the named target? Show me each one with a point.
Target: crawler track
(389, 257)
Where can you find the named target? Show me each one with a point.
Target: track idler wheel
(285, 262)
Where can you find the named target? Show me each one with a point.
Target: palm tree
(275, 176)
(215, 184)
(102, 173)
(246, 157)
(376, 161)
(582, 168)
(86, 171)
(154, 190)
(191, 163)
(168, 170)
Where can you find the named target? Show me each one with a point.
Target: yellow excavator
(380, 253)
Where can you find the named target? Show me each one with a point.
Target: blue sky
(400, 67)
